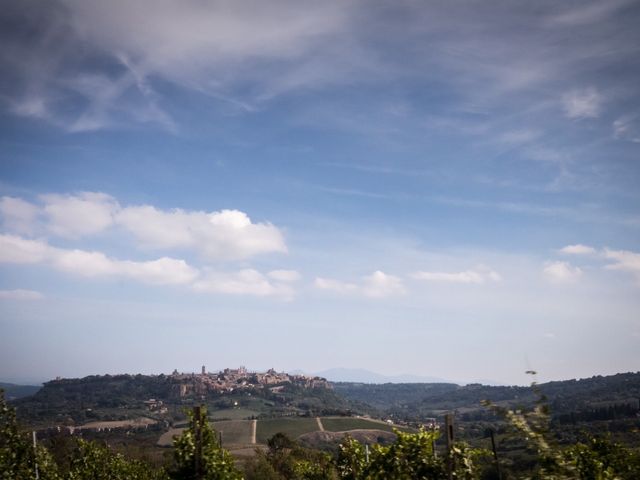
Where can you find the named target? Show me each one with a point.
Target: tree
(19, 459)
(197, 454)
(411, 456)
(286, 459)
(90, 461)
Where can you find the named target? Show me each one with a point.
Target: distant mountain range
(361, 375)
(367, 376)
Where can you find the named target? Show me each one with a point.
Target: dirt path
(254, 427)
(320, 426)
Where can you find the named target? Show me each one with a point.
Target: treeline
(415, 401)
(75, 401)
(602, 413)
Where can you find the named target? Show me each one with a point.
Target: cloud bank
(224, 236)
(162, 271)
(218, 235)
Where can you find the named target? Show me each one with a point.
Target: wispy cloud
(585, 14)
(624, 260)
(562, 272)
(246, 53)
(626, 128)
(578, 249)
(478, 276)
(285, 276)
(21, 295)
(244, 282)
(585, 103)
(620, 260)
(224, 47)
(376, 285)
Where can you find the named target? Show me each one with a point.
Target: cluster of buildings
(229, 379)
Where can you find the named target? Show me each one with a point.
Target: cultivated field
(133, 423)
(342, 424)
(292, 427)
(234, 432)
(237, 433)
(166, 439)
(233, 414)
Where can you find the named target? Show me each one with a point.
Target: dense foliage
(411, 456)
(596, 397)
(198, 455)
(286, 459)
(115, 397)
(20, 460)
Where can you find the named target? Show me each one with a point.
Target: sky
(446, 189)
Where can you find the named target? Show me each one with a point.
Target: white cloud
(163, 271)
(18, 215)
(95, 264)
(578, 249)
(380, 284)
(335, 285)
(220, 235)
(73, 216)
(376, 285)
(155, 228)
(81, 262)
(14, 249)
(480, 275)
(561, 272)
(624, 260)
(20, 294)
(285, 276)
(244, 282)
(583, 103)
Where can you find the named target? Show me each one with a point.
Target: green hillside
(13, 391)
(117, 397)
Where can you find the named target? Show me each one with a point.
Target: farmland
(292, 427)
(233, 432)
(233, 414)
(342, 424)
(237, 433)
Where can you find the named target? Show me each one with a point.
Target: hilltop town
(229, 380)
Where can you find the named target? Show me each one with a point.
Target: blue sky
(439, 189)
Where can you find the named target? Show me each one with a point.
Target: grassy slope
(234, 432)
(292, 427)
(341, 424)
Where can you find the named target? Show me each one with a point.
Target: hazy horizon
(336, 374)
(446, 190)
